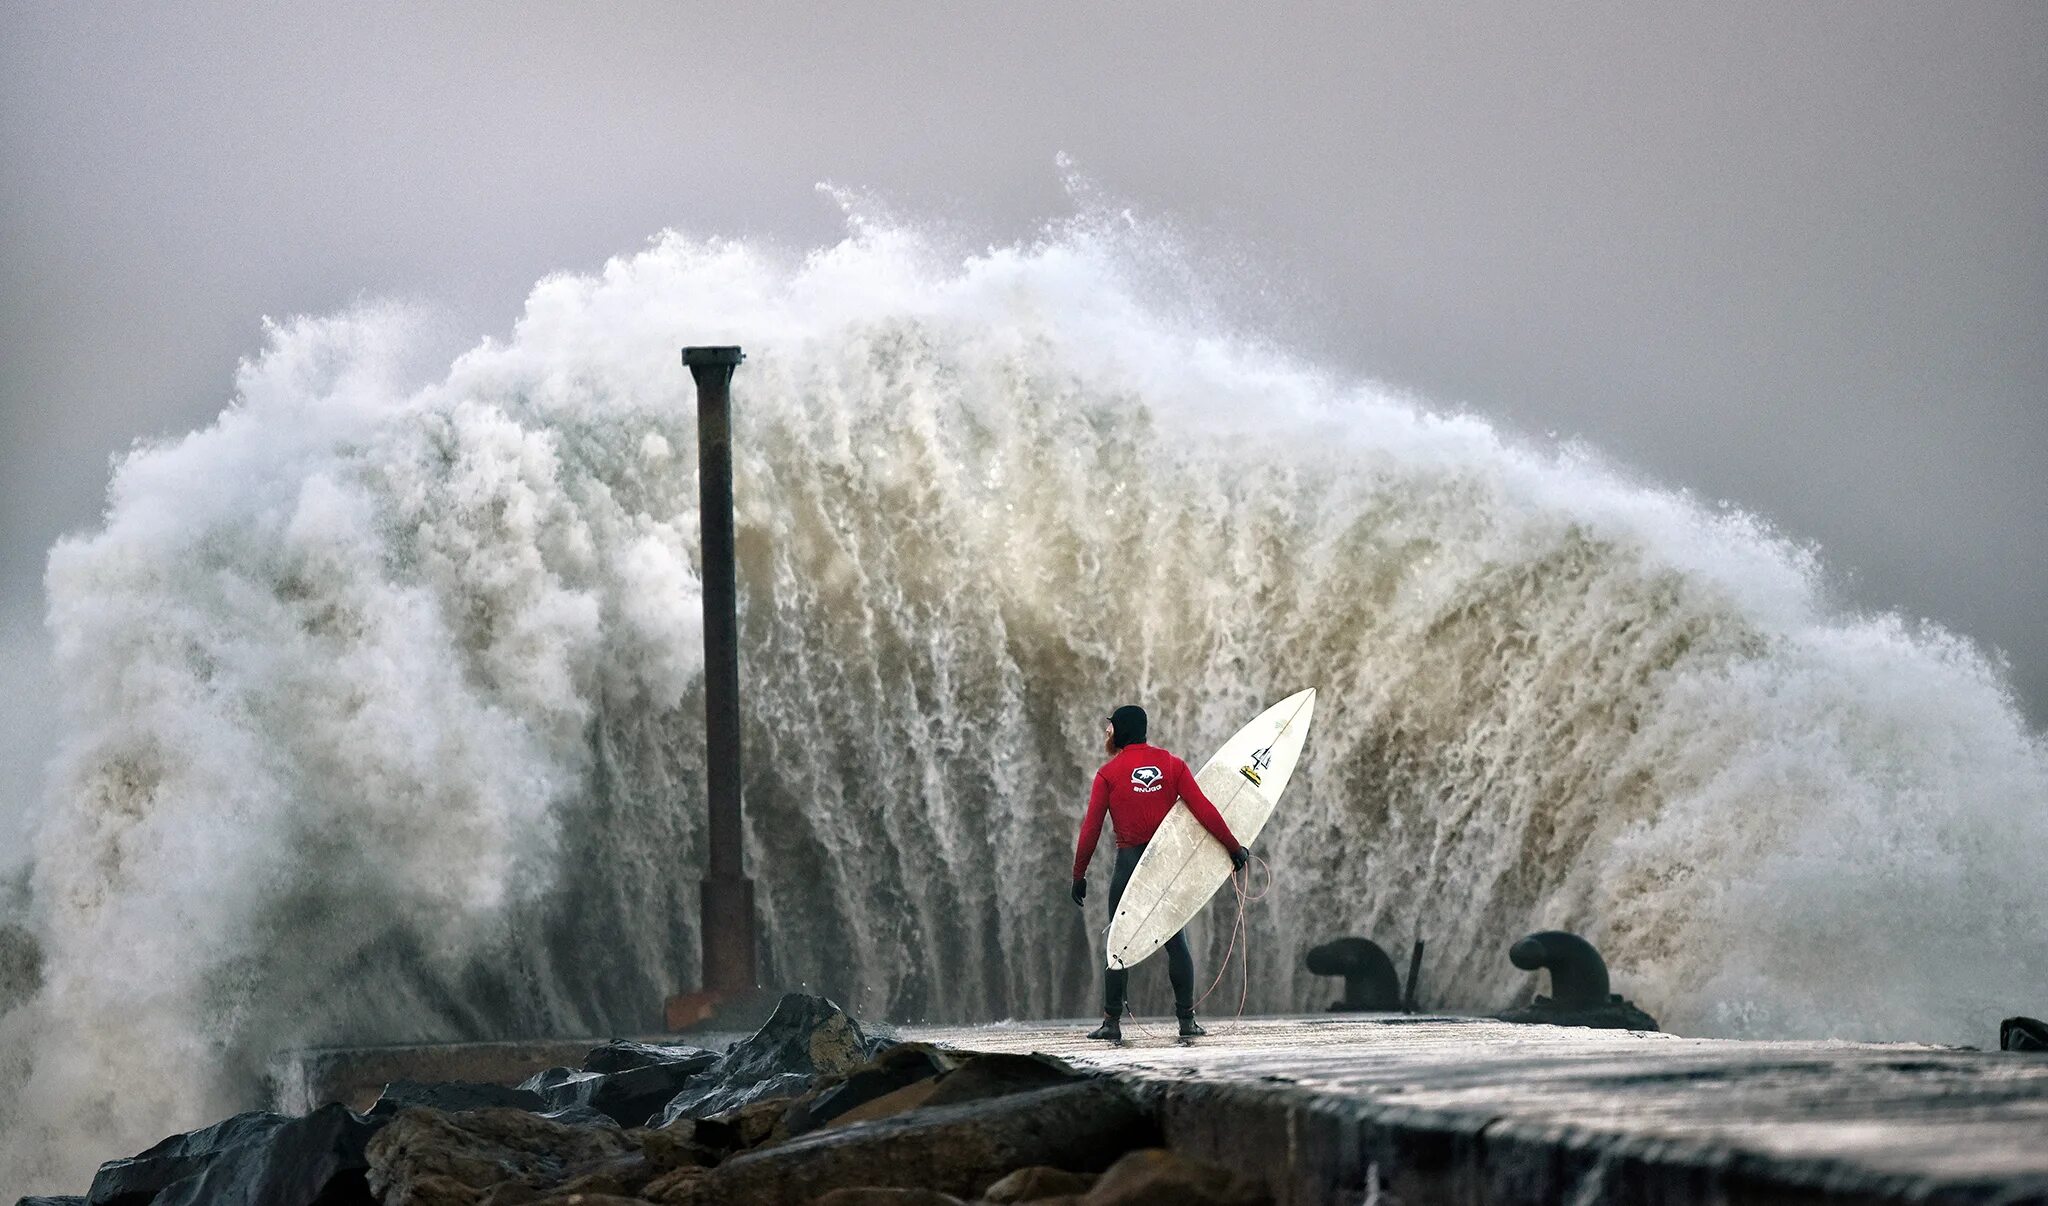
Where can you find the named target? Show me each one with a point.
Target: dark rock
(580, 1116)
(46, 1200)
(913, 1096)
(805, 1034)
(958, 1149)
(679, 1187)
(623, 1055)
(985, 1076)
(558, 1094)
(874, 1196)
(756, 1122)
(452, 1096)
(980, 1077)
(662, 1164)
(625, 1081)
(713, 1139)
(1036, 1183)
(1370, 983)
(428, 1157)
(625, 1173)
(900, 1065)
(2023, 1034)
(1157, 1177)
(315, 1160)
(548, 1080)
(138, 1179)
(638, 1095)
(678, 1147)
(629, 1097)
(712, 1102)
(1616, 1014)
(805, 1037)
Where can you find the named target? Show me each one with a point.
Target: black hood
(1127, 725)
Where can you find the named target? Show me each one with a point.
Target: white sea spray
(383, 720)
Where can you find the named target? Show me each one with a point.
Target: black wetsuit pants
(1180, 964)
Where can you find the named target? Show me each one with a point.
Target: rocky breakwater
(809, 1109)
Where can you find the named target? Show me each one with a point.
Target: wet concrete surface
(1387, 1109)
(1393, 1108)
(306, 1079)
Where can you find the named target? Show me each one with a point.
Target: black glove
(1238, 858)
(1080, 890)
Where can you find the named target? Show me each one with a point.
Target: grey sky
(1791, 255)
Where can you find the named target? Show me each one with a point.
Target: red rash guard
(1137, 789)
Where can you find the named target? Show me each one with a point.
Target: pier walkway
(1386, 1109)
(1389, 1108)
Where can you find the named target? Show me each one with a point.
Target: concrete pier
(304, 1080)
(1356, 1108)
(1390, 1108)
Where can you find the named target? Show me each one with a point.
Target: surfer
(1136, 789)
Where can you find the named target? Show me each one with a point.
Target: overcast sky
(1795, 256)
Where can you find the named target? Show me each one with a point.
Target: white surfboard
(1183, 864)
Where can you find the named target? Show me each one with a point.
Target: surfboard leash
(1239, 936)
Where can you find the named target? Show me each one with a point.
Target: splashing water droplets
(384, 713)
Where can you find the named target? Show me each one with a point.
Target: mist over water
(383, 721)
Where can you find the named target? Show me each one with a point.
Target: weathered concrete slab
(305, 1080)
(1415, 1110)
(1338, 1108)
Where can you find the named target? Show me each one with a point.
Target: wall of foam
(382, 715)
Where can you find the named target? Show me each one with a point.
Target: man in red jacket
(1137, 787)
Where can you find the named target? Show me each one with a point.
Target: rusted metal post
(728, 895)
(1414, 977)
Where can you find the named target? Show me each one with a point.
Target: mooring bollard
(1578, 986)
(1578, 975)
(1370, 984)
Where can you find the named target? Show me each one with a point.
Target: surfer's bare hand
(1239, 857)
(1080, 890)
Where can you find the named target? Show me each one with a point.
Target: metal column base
(728, 928)
(727, 924)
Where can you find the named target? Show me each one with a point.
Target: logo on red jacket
(1147, 778)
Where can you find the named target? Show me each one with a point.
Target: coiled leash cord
(1239, 936)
